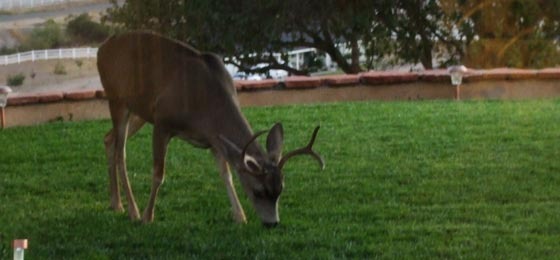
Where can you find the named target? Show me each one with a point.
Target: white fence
(22, 4)
(295, 57)
(73, 53)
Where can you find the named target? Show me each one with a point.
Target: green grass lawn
(439, 179)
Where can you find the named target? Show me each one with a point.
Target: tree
(422, 26)
(251, 31)
(513, 33)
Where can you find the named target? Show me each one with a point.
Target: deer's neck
(234, 126)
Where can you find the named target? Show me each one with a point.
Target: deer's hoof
(240, 219)
(134, 216)
(117, 208)
(147, 218)
(270, 225)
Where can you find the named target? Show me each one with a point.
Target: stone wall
(36, 108)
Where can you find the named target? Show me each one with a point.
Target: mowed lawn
(432, 179)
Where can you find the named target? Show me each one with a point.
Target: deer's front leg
(160, 140)
(237, 209)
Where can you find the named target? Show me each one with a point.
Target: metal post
(456, 74)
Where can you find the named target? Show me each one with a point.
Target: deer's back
(140, 68)
(139, 62)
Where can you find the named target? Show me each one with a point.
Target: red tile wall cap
(52, 96)
(341, 80)
(549, 73)
(80, 94)
(302, 82)
(507, 74)
(439, 75)
(100, 93)
(19, 99)
(255, 84)
(388, 77)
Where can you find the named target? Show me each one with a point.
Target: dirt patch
(53, 75)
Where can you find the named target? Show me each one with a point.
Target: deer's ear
(274, 142)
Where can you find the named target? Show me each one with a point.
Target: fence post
(18, 58)
(60, 53)
(73, 53)
(33, 53)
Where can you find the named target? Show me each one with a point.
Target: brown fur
(187, 94)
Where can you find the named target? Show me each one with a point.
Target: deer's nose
(270, 224)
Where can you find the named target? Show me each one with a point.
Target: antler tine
(304, 150)
(255, 136)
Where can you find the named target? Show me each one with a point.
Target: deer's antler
(245, 157)
(304, 150)
(255, 136)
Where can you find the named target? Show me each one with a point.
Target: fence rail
(21, 4)
(71, 53)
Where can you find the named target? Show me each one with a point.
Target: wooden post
(2, 118)
(458, 92)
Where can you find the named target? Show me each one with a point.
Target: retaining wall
(36, 108)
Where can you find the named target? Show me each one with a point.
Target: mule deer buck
(187, 94)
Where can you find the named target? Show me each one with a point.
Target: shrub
(83, 29)
(59, 69)
(49, 35)
(15, 80)
(79, 63)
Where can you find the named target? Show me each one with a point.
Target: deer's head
(261, 173)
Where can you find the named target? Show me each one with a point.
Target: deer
(187, 94)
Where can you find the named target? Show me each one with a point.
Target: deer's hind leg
(124, 124)
(160, 141)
